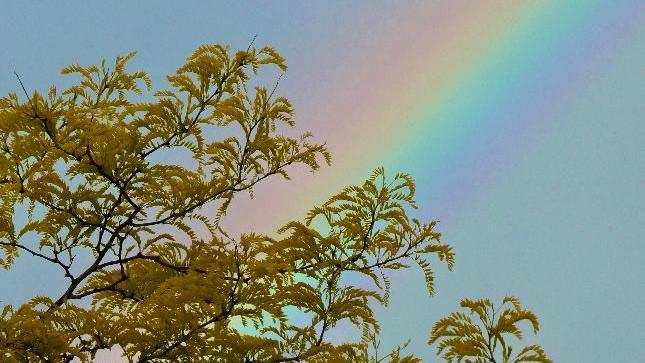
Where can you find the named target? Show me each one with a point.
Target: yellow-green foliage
(486, 339)
(126, 222)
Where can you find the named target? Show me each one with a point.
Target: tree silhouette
(125, 197)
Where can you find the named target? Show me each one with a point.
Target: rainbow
(445, 92)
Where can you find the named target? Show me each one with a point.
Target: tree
(148, 267)
(460, 338)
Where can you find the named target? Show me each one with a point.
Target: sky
(522, 122)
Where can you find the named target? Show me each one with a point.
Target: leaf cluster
(486, 338)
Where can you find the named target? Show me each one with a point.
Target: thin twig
(275, 87)
(252, 41)
(23, 86)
